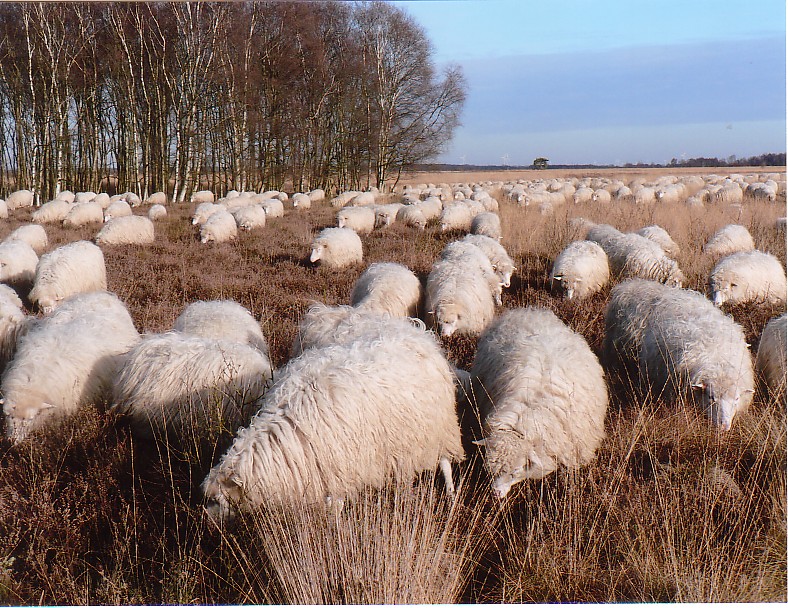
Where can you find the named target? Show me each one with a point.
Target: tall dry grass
(670, 510)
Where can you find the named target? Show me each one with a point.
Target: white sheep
(430, 208)
(117, 209)
(337, 248)
(456, 216)
(82, 214)
(342, 418)
(487, 224)
(157, 198)
(729, 239)
(385, 215)
(542, 394)
(70, 269)
(222, 320)
(601, 196)
(692, 351)
(661, 237)
(469, 256)
(583, 195)
(220, 227)
(157, 212)
(102, 199)
(343, 198)
(51, 212)
(748, 276)
(181, 386)
(458, 299)
(580, 270)
(14, 323)
(127, 230)
(362, 199)
(634, 256)
(301, 201)
(389, 288)
(18, 261)
(250, 218)
(644, 195)
(32, 234)
(84, 197)
(501, 262)
(360, 219)
(273, 207)
(19, 199)
(317, 195)
(411, 215)
(626, 315)
(67, 195)
(770, 362)
(202, 196)
(64, 361)
(205, 210)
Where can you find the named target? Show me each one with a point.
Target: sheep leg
(446, 470)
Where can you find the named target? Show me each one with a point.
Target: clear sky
(612, 81)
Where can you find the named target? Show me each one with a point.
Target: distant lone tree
(541, 162)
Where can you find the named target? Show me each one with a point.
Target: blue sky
(612, 81)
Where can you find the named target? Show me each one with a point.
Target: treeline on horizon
(771, 159)
(179, 96)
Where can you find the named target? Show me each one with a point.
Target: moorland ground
(670, 509)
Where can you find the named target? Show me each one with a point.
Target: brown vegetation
(670, 510)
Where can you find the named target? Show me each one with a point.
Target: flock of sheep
(368, 394)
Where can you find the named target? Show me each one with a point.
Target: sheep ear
(749, 390)
(558, 277)
(46, 406)
(480, 442)
(701, 386)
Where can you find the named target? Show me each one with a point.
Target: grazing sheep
(580, 270)
(301, 201)
(157, 212)
(360, 219)
(458, 299)
(337, 248)
(19, 199)
(70, 269)
(661, 237)
(64, 361)
(601, 196)
(84, 197)
(362, 199)
(456, 216)
(222, 320)
(501, 262)
(157, 198)
(487, 224)
(343, 198)
(220, 227)
(13, 324)
(82, 214)
(32, 234)
(411, 215)
(385, 215)
(250, 218)
(430, 208)
(342, 418)
(117, 209)
(202, 196)
(51, 212)
(67, 195)
(469, 256)
(644, 196)
(543, 397)
(388, 288)
(729, 239)
(317, 195)
(748, 276)
(634, 256)
(771, 359)
(626, 315)
(18, 261)
(182, 386)
(205, 210)
(691, 350)
(103, 199)
(127, 230)
(273, 207)
(583, 195)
